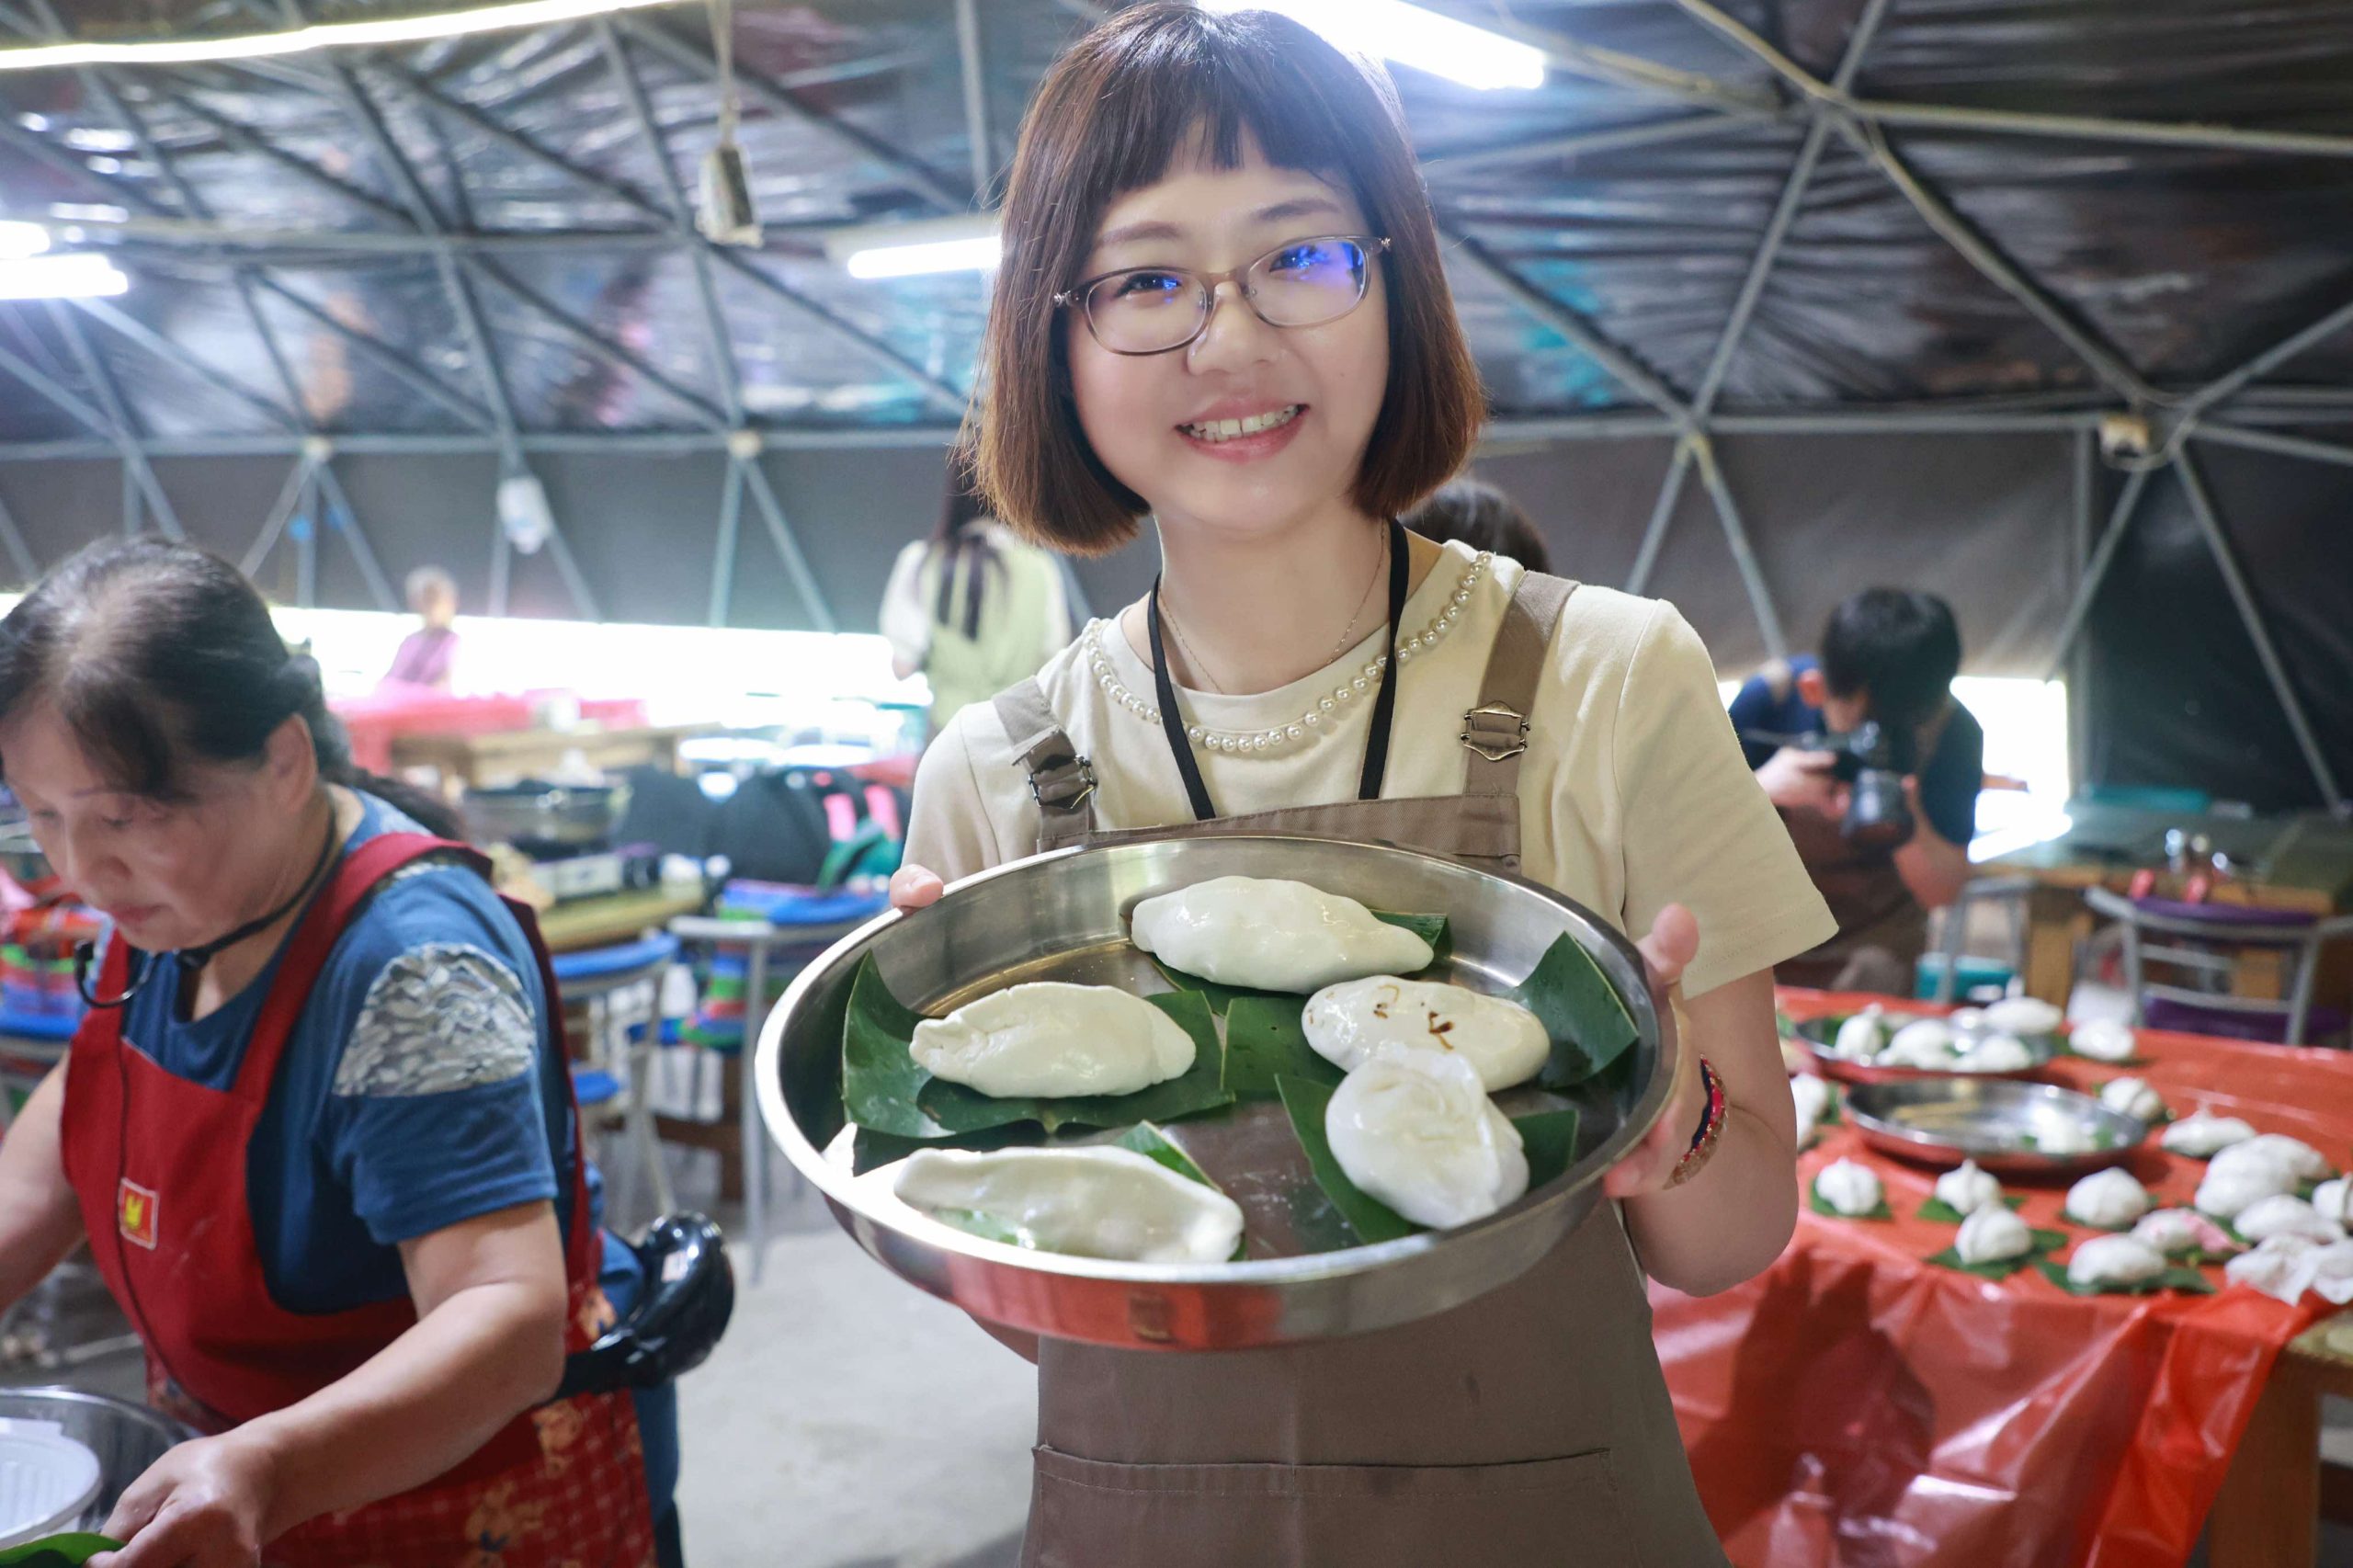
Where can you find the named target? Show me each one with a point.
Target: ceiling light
(1409, 35)
(906, 250)
(369, 34)
(78, 275)
(19, 240)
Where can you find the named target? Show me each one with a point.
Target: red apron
(160, 1167)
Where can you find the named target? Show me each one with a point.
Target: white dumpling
(1417, 1131)
(2102, 1040)
(1054, 1040)
(2131, 1096)
(1349, 1023)
(1860, 1037)
(2064, 1137)
(1924, 1044)
(1093, 1202)
(1849, 1189)
(2023, 1015)
(1967, 1189)
(2308, 1162)
(2114, 1260)
(2109, 1199)
(1997, 1053)
(1993, 1236)
(1811, 1096)
(2176, 1231)
(1967, 1020)
(2334, 1200)
(2282, 1267)
(1272, 935)
(2230, 1188)
(2202, 1136)
(2284, 1214)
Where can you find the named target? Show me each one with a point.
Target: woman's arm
(488, 1344)
(40, 1218)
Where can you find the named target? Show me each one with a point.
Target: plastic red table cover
(1856, 1406)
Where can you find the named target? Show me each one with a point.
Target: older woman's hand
(1673, 942)
(204, 1505)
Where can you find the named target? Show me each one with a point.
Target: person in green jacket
(975, 607)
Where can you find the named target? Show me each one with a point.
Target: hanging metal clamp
(1495, 732)
(1062, 786)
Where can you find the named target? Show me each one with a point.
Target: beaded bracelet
(1711, 1126)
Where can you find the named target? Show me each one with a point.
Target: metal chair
(2200, 947)
(1980, 889)
(618, 985)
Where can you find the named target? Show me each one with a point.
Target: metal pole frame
(788, 545)
(972, 68)
(722, 559)
(2267, 441)
(118, 416)
(20, 554)
(2120, 522)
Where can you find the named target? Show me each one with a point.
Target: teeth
(1216, 430)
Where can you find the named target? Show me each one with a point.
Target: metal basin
(1062, 916)
(126, 1437)
(546, 814)
(1945, 1120)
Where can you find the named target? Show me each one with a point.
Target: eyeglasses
(1155, 310)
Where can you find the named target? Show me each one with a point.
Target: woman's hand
(1673, 942)
(204, 1505)
(915, 886)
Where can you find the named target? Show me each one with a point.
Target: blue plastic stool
(591, 978)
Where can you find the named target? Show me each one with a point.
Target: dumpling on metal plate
(1054, 1041)
(1272, 934)
(1350, 1023)
(1089, 1201)
(1417, 1131)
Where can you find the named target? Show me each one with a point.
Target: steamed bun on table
(1055, 1041)
(2114, 1260)
(2201, 1135)
(1996, 1053)
(2103, 1040)
(1849, 1189)
(2334, 1200)
(1416, 1129)
(2308, 1162)
(2023, 1015)
(1269, 934)
(1966, 1190)
(1993, 1234)
(2284, 1214)
(1349, 1023)
(2109, 1199)
(1861, 1036)
(1811, 1094)
(2237, 1179)
(1090, 1201)
(1924, 1044)
(2131, 1096)
(2176, 1231)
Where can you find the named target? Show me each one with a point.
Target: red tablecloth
(372, 720)
(1855, 1406)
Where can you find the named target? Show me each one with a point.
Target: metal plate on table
(1063, 916)
(2003, 1125)
(1816, 1038)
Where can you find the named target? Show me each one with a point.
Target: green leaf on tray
(58, 1552)
(886, 1090)
(1264, 1041)
(1944, 1213)
(1549, 1137)
(1430, 928)
(2044, 1241)
(988, 1227)
(2187, 1280)
(1580, 1009)
(1813, 1201)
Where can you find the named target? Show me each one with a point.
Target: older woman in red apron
(370, 1343)
(1223, 306)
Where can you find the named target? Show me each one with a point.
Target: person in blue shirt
(1889, 656)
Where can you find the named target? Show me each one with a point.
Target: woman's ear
(292, 763)
(1812, 688)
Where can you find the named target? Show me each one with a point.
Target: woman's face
(1143, 414)
(170, 874)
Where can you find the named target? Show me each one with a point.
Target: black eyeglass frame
(1081, 294)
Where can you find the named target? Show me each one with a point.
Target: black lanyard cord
(1384, 707)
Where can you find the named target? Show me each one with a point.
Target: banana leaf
(1580, 1009)
(886, 1090)
(1944, 1213)
(57, 1551)
(2175, 1278)
(2045, 1242)
(1430, 928)
(1264, 1041)
(1549, 1138)
(1813, 1201)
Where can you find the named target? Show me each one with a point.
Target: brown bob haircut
(1110, 117)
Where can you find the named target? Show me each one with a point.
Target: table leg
(2052, 917)
(754, 1135)
(2266, 1514)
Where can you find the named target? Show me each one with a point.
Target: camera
(1873, 759)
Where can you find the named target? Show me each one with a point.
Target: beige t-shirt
(1634, 793)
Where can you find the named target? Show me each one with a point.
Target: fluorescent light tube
(19, 240)
(932, 256)
(374, 32)
(76, 275)
(1409, 35)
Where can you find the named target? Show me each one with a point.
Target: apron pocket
(1089, 1513)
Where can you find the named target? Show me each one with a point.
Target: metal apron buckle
(1495, 732)
(1071, 783)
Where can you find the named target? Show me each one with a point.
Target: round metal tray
(1815, 1037)
(1063, 916)
(1944, 1119)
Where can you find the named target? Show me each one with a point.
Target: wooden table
(615, 917)
(2266, 1514)
(507, 756)
(2298, 864)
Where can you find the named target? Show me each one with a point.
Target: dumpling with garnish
(1054, 1041)
(1350, 1023)
(1416, 1129)
(1270, 934)
(1090, 1201)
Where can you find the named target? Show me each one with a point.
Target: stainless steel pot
(126, 1437)
(1063, 916)
(546, 814)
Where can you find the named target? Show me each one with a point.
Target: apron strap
(1062, 781)
(1495, 732)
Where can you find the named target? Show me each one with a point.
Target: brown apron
(1531, 1426)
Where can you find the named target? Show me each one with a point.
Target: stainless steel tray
(1817, 1037)
(1945, 1120)
(1063, 916)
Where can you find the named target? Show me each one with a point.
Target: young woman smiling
(1221, 306)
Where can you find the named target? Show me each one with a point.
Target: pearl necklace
(1317, 720)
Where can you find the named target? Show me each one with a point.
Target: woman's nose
(1233, 337)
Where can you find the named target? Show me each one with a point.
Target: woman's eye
(1303, 259)
(117, 823)
(1147, 286)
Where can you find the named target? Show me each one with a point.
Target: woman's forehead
(1196, 197)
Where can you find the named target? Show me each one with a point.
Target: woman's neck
(233, 969)
(1250, 613)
